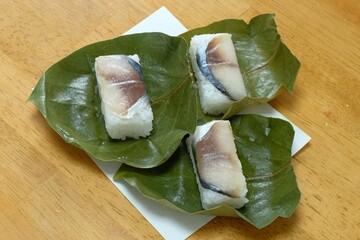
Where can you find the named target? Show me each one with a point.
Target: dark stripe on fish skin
(136, 66)
(203, 66)
(213, 188)
(204, 184)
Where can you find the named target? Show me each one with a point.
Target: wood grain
(51, 190)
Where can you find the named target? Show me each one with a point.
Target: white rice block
(124, 103)
(217, 167)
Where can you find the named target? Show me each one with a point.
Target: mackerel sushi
(218, 170)
(124, 102)
(217, 71)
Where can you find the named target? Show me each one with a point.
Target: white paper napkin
(172, 224)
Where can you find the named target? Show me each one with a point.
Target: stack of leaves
(159, 166)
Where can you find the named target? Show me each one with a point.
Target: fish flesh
(216, 165)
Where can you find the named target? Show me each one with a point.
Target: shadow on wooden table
(56, 149)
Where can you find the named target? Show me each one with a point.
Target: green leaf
(264, 148)
(67, 97)
(171, 183)
(267, 65)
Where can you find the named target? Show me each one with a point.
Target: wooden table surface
(51, 190)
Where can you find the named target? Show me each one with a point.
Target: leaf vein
(289, 165)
